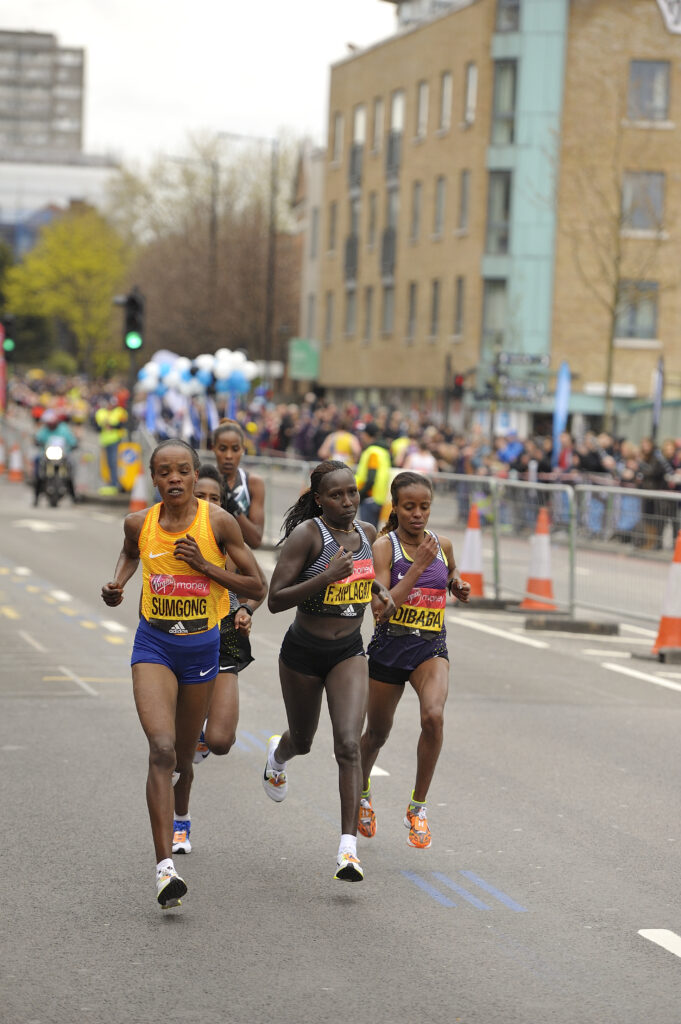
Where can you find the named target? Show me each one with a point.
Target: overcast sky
(157, 70)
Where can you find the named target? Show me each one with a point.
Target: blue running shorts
(192, 657)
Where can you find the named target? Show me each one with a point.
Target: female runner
(219, 729)
(244, 493)
(419, 568)
(176, 648)
(326, 571)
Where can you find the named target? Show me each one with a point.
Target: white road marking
(503, 633)
(611, 654)
(31, 641)
(378, 771)
(77, 680)
(22, 570)
(644, 676)
(42, 525)
(595, 637)
(61, 595)
(639, 629)
(113, 626)
(663, 937)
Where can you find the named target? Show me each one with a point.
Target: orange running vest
(175, 598)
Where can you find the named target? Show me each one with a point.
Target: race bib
(423, 609)
(354, 589)
(179, 604)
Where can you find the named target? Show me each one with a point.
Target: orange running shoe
(366, 824)
(416, 821)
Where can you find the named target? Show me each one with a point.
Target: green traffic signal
(133, 340)
(9, 345)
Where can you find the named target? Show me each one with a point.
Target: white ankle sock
(275, 765)
(348, 844)
(164, 865)
(183, 817)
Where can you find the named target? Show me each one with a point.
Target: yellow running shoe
(348, 868)
(416, 821)
(366, 824)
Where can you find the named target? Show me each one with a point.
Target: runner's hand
(426, 552)
(340, 566)
(112, 594)
(460, 589)
(382, 605)
(243, 622)
(187, 550)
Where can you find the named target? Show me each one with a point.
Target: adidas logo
(177, 628)
(350, 610)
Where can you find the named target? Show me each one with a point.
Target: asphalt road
(554, 811)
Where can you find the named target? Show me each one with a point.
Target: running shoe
(169, 888)
(416, 821)
(202, 751)
(366, 824)
(348, 868)
(273, 781)
(175, 778)
(181, 830)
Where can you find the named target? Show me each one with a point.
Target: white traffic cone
(539, 586)
(470, 564)
(16, 465)
(138, 494)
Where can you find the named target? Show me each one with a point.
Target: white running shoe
(181, 830)
(202, 750)
(274, 782)
(169, 888)
(348, 868)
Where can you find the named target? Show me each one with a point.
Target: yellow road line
(67, 611)
(86, 624)
(115, 639)
(9, 613)
(32, 589)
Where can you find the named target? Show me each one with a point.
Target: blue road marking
(460, 890)
(502, 897)
(254, 739)
(430, 889)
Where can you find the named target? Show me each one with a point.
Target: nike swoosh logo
(400, 575)
(159, 555)
(207, 671)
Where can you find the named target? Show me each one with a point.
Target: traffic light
(133, 329)
(457, 389)
(7, 334)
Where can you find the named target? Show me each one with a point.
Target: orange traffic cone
(539, 586)
(16, 465)
(669, 633)
(138, 494)
(470, 565)
(3, 457)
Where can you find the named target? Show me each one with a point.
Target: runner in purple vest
(418, 568)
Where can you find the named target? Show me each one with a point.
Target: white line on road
(645, 676)
(503, 633)
(113, 626)
(595, 637)
(639, 629)
(598, 653)
(22, 570)
(663, 937)
(31, 641)
(77, 680)
(378, 771)
(61, 595)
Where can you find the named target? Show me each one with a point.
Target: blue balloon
(222, 387)
(186, 374)
(206, 377)
(165, 368)
(160, 390)
(237, 382)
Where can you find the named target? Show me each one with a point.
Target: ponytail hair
(306, 507)
(405, 479)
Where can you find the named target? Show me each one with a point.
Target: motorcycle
(54, 474)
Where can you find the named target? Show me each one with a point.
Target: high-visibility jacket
(111, 423)
(375, 457)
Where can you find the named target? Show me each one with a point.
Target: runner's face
(338, 497)
(228, 451)
(174, 474)
(208, 489)
(413, 507)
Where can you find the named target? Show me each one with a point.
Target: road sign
(303, 359)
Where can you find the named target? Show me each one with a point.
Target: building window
(392, 208)
(470, 93)
(421, 110)
(397, 111)
(371, 230)
(439, 212)
(328, 319)
(350, 311)
(648, 90)
(311, 314)
(388, 311)
(359, 125)
(636, 310)
(416, 197)
(314, 232)
(337, 140)
(464, 196)
(411, 310)
(508, 15)
(377, 140)
(353, 209)
(498, 213)
(445, 101)
(368, 311)
(459, 298)
(642, 200)
(494, 310)
(503, 103)
(333, 209)
(435, 308)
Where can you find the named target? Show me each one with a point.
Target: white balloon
(223, 367)
(190, 387)
(182, 364)
(205, 361)
(223, 353)
(172, 378)
(239, 359)
(151, 370)
(250, 370)
(146, 385)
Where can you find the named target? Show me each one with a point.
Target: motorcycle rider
(54, 431)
